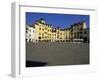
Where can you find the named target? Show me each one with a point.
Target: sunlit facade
(30, 34)
(44, 32)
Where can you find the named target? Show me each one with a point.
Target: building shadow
(35, 63)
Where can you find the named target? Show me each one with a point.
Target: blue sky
(57, 20)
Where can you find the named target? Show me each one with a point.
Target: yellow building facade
(46, 33)
(43, 31)
(68, 34)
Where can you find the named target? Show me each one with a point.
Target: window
(39, 28)
(45, 32)
(61, 38)
(57, 36)
(39, 33)
(77, 32)
(26, 31)
(42, 29)
(77, 35)
(80, 32)
(80, 29)
(45, 28)
(85, 32)
(81, 37)
(26, 28)
(42, 34)
(39, 37)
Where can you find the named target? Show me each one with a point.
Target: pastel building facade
(68, 35)
(43, 31)
(40, 31)
(30, 34)
(79, 31)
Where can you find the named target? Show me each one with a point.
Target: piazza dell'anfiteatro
(50, 46)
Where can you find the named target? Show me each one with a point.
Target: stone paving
(58, 53)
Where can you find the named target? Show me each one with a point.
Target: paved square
(58, 53)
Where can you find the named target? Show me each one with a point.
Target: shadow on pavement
(35, 63)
